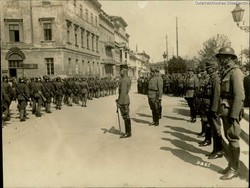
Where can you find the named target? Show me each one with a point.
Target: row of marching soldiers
(218, 97)
(42, 92)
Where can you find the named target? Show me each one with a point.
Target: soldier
(139, 84)
(84, 92)
(49, 93)
(8, 96)
(155, 90)
(202, 107)
(212, 93)
(123, 100)
(22, 95)
(167, 84)
(191, 85)
(38, 90)
(161, 81)
(231, 105)
(59, 90)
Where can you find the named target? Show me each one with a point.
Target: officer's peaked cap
(211, 64)
(226, 51)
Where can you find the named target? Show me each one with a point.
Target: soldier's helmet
(5, 77)
(21, 80)
(58, 79)
(226, 51)
(45, 77)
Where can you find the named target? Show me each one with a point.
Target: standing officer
(9, 94)
(191, 85)
(232, 98)
(212, 93)
(155, 90)
(123, 100)
(49, 93)
(161, 81)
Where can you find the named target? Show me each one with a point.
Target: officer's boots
(154, 118)
(48, 108)
(127, 134)
(207, 140)
(22, 115)
(233, 171)
(217, 148)
(203, 129)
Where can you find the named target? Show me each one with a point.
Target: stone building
(43, 37)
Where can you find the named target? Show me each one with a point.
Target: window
(47, 27)
(46, 2)
(87, 15)
(126, 55)
(87, 40)
(82, 38)
(15, 64)
(81, 14)
(93, 40)
(96, 20)
(97, 41)
(14, 33)
(76, 27)
(70, 67)
(77, 67)
(91, 18)
(68, 32)
(50, 66)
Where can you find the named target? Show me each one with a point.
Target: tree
(212, 46)
(177, 65)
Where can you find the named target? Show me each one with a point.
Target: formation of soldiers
(41, 92)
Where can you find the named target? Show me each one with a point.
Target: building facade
(43, 37)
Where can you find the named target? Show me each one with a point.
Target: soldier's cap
(211, 64)
(226, 51)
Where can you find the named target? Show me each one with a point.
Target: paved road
(80, 147)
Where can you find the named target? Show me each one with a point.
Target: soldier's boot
(156, 119)
(234, 169)
(160, 112)
(33, 107)
(217, 148)
(153, 115)
(48, 108)
(8, 115)
(127, 134)
(22, 115)
(208, 135)
(203, 129)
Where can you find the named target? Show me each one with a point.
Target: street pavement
(80, 147)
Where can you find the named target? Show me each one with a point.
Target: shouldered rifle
(47, 89)
(40, 93)
(71, 88)
(19, 91)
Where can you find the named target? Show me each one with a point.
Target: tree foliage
(212, 46)
(177, 65)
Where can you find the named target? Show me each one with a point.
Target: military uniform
(231, 105)
(49, 93)
(191, 85)
(7, 97)
(155, 90)
(84, 92)
(123, 101)
(38, 91)
(59, 91)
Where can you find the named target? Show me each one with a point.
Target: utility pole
(177, 53)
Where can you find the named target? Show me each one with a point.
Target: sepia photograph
(125, 93)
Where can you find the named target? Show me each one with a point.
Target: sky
(150, 21)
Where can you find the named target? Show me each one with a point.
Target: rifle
(51, 94)
(71, 88)
(18, 90)
(117, 111)
(40, 93)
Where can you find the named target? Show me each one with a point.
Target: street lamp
(165, 62)
(237, 14)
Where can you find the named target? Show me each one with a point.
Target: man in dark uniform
(161, 81)
(123, 100)
(38, 90)
(49, 93)
(191, 85)
(22, 95)
(155, 90)
(84, 92)
(212, 93)
(59, 91)
(8, 97)
(231, 105)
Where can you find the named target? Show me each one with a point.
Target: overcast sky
(150, 21)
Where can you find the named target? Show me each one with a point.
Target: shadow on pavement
(182, 111)
(191, 159)
(175, 118)
(143, 115)
(182, 136)
(112, 130)
(140, 121)
(185, 146)
(180, 129)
